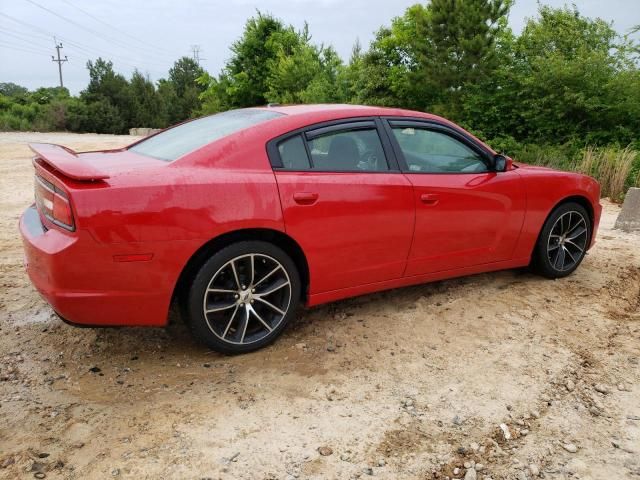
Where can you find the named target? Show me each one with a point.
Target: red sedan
(243, 215)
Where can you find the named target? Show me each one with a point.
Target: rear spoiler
(67, 162)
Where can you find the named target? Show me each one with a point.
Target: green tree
(635, 44)
(566, 79)
(45, 95)
(382, 75)
(566, 61)
(102, 117)
(456, 49)
(490, 107)
(272, 62)
(247, 72)
(76, 116)
(10, 89)
(328, 85)
(185, 91)
(169, 101)
(148, 108)
(302, 72)
(216, 95)
(183, 74)
(109, 99)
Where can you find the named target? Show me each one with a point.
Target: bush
(613, 167)
(10, 122)
(103, 117)
(76, 116)
(562, 157)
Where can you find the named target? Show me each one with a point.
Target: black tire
(563, 241)
(246, 318)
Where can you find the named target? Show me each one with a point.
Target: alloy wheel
(567, 241)
(247, 298)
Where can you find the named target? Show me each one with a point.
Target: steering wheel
(368, 161)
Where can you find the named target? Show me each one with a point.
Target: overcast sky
(152, 34)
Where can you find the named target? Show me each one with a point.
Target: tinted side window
(435, 152)
(355, 150)
(293, 154)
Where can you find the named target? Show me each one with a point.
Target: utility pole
(195, 51)
(59, 60)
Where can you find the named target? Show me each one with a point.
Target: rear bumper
(81, 281)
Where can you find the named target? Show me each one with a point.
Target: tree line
(565, 80)
(109, 104)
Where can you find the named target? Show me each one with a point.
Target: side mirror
(502, 163)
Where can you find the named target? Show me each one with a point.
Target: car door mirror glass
(500, 163)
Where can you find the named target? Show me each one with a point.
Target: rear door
(345, 202)
(466, 213)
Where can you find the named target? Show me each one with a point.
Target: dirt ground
(407, 384)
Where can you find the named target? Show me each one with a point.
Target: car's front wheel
(243, 297)
(563, 241)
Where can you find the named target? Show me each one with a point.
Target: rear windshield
(178, 141)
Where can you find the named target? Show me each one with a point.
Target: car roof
(333, 111)
(342, 110)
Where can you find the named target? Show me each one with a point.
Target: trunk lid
(90, 166)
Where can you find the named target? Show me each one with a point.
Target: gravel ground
(503, 376)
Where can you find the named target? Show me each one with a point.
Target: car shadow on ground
(175, 340)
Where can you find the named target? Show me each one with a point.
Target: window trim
(340, 127)
(305, 146)
(411, 122)
(309, 132)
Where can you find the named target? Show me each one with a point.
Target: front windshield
(182, 139)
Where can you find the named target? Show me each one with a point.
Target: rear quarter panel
(170, 211)
(545, 189)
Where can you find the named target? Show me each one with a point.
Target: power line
(29, 25)
(91, 55)
(123, 32)
(29, 46)
(34, 50)
(5, 44)
(91, 51)
(22, 37)
(27, 36)
(117, 58)
(79, 25)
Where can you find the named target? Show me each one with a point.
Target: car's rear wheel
(243, 297)
(563, 241)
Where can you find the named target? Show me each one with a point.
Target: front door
(349, 208)
(466, 213)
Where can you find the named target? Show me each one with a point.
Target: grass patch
(616, 168)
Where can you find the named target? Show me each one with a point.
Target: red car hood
(530, 167)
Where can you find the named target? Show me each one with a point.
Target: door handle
(429, 198)
(305, 198)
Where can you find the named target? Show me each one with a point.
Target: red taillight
(53, 203)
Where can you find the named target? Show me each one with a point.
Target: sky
(150, 35)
